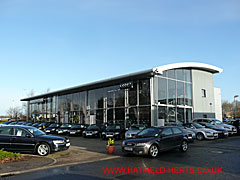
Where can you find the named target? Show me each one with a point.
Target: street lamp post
(235, 110)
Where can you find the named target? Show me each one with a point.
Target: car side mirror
(28, 136)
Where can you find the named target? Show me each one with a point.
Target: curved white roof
(193, 65)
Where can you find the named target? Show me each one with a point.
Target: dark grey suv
(153, 140)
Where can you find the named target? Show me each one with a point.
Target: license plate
(128, 149)
(47, 130)
(109, 135)
(72, 132)
(68, 144)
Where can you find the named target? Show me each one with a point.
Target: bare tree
(14, 112)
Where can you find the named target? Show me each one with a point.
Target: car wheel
(184, 146)
(200, 136)
(153, 151)
(43, 149)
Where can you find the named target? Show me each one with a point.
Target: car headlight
(95, 132)
(140, 144)
(103, 133)
(78, 130)
(116, 132)
(84, 132)
(58, 141)
(123, 143)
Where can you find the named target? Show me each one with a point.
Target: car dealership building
(174, 93)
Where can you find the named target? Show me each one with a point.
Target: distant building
(174, 93)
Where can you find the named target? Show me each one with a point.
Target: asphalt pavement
(223, 154)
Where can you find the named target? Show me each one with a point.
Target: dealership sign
(126, 85)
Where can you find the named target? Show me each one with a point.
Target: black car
(95, 130)
(30, 139)
(36, 124)
(77, 129)
(235, 123)
(64, 128)
(221, 132)
(151, 141)
(115, 131)
(43, 125)
(52, 128)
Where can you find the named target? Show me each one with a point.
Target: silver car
(231, 129)
(201, 132)
(133, 131)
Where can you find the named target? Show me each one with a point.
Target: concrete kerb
(55, 161)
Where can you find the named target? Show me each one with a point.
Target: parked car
(64, 128)
(190, 133)
(201, 132)
(13, 123)
(52, 128)
(94, 130)
(35, 124)
(115, 131)
(77, 129)
(221, 132)
(231, 129)
(30, 139)
(133, 130)
(151, 141)
(236, 124)
(29, 124)
(43, 125)
(5, 123)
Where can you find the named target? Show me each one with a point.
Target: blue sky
(58, 44)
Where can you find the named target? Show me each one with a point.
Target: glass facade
(174, 96)
(126, 103)
(111, 104)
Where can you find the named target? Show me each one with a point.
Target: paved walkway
(75, 155)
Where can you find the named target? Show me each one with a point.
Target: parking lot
(222, 153)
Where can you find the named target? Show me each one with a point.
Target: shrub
(9, 155)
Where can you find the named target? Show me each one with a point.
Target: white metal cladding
(193, 65)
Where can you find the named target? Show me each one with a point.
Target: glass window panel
(162, 90)
(188, 94)
(83, 101)
(110, 115)
(187, 75)
(76, 101)
(171, 73)
(144, 92)
(180, 115)
(188, 115)
(133, 116)
(179, 74)
(145, 116)
(91, 99)
(120, 116)
(99, 116)
(172, 114)
(120, 98)
(180, 93)
(162, 113)
(172, 92)
(99, 98)
(133, 95)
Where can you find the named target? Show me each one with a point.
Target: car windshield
(217, 121)
(93, 127)
(35, 131)
(150, 132)
(53, 125)
(198, 126)
(6, 122)
(210, 125)
(136, 127)
(78, 126)
(65, 125)
(114, 127)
